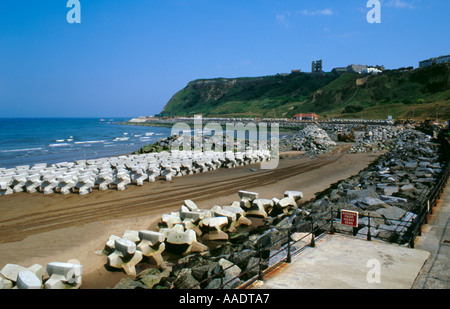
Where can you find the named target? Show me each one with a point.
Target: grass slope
(402, 93)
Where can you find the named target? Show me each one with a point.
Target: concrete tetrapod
(152, 246)
(5, 188)
(16, 276)
(66, 184)
(5, 284)
(213, 227)
(104, 179)
(84, 184)
(28, 280)
(182, 241)
(295, 195)
(122, 180)
(139, 175)
(259, 207)
(33, 182)
(247, 198)
(11, 271)
(125, 256)
(19, 181)
(241, 219)
(285, 203)
(49, 182)
(63, 276)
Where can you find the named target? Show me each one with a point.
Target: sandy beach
(38, 228)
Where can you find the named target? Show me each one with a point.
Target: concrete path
(345, 262)
(436, 239)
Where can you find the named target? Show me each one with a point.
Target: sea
(29, 141)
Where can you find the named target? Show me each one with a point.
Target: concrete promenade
(436, 239)
(345, 262)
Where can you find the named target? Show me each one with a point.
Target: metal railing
(428, 202)
(267, 255)
(409, 229)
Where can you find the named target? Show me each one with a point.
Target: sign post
(349, 217)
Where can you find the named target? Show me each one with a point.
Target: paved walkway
(344, 262)
(436, 239)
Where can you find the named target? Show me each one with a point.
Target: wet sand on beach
(38, 228)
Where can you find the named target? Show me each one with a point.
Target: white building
(371, 71)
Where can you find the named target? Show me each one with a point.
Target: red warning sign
(349, 217)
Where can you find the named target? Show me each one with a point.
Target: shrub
(352, 109)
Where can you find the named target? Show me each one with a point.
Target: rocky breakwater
(391, 192)
(217, 142)
(311, 139)
(365, 138)
(318, 139)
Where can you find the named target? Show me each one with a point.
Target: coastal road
(22, 214)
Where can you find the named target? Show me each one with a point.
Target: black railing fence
(270, 258)
(402, 231)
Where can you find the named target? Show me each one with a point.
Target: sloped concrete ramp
(345, 262)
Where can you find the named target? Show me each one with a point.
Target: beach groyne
(84, 176)
(282, 122)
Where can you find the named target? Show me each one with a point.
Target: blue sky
(128, 58)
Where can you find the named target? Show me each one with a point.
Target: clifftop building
(340, 70)
(316, 66)
(359, 69)
(431, 61)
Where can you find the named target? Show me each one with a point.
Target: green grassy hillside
(402, 93)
